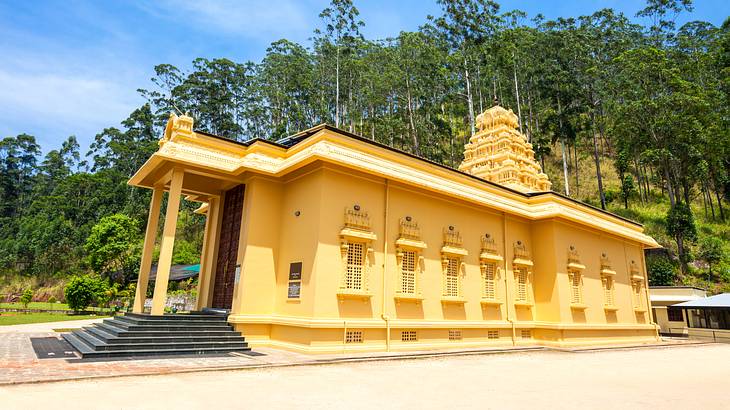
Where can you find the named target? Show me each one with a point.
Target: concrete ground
(682, 376)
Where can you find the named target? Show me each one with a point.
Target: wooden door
(228, 249)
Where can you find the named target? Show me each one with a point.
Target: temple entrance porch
(222, 205)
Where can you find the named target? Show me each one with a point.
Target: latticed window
(353, 336)
(493, 334)
(526, 334)
(637, 293)
(454, 334)
(408, 336)
(452, 277)
(522, 284)
(608, 293)
(355, 265)
(489, 272)
(408, 272)
(576, 291)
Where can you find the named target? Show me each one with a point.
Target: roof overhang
(213, 164)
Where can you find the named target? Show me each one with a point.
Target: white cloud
(256, 19)
(54, 106)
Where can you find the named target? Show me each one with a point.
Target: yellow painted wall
(273, 236)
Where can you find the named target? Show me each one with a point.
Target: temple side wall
(319, 320)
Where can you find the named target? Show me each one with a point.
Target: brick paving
(19, 364)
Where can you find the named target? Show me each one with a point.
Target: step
(87, 352)
(174, 317)
(99, 345)
(78, 344)
(112, 339)
(161, 322)
(122, 333)
(172, 327)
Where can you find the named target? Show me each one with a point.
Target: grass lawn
(41, 305)
(17, 318)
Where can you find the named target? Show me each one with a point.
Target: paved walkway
(688, 377)
(19, 364)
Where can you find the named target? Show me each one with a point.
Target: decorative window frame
(489, 256)
(409, 240)
(608, 276)
(356, 230)
(637, 288)
(453, 248)
(575, 276)
(522, 261)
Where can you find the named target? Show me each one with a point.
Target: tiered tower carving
(499, 153)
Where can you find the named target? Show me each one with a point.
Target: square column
(149, 246)
(207, 258)
(168, 241)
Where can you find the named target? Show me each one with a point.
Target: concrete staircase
(139, 335)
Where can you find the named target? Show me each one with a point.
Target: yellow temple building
(328, 242)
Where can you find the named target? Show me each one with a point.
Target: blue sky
(73, 67)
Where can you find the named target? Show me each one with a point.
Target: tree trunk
(517, 91)
(577, 170)
(479, 89)
(719, 205)
(598, 166)
(670, 190)
(414, 136)
(469, 98)
(337, 87)
(566, 189)
(717, 195)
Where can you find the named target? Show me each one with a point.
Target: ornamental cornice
(338, 149)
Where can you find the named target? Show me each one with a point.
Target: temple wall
(319, 320)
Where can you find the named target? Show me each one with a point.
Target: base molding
(329, 336)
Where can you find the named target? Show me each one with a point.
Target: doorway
(225, 270)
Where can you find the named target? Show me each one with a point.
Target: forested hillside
(628, 117)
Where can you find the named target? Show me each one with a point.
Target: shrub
(82, 291)
(661, 269)
(711, 252)
(112, 247)
(27, 297)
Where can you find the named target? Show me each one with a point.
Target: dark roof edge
(302, 135)
(676, 287)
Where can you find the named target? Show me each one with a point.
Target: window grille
(353, 336)
(637, 293)
(408, 336)
(452, 277)
(489, 291)
(522, 284)
(408, 272)
(526, 334)
(576, 294)
(493, 334)
(355, 265)
(608, 294)
(454, 334)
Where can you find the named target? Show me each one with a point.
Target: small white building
(708, 318)
(672, 320)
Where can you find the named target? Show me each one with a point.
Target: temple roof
(214, 164)
(499, 153)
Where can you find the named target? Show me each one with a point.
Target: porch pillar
(207, 257)
(168, 241)
(149, 246)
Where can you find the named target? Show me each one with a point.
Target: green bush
(711, 252)
(82, 291)
(26, 298)
(662, 270)
(113, 247)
